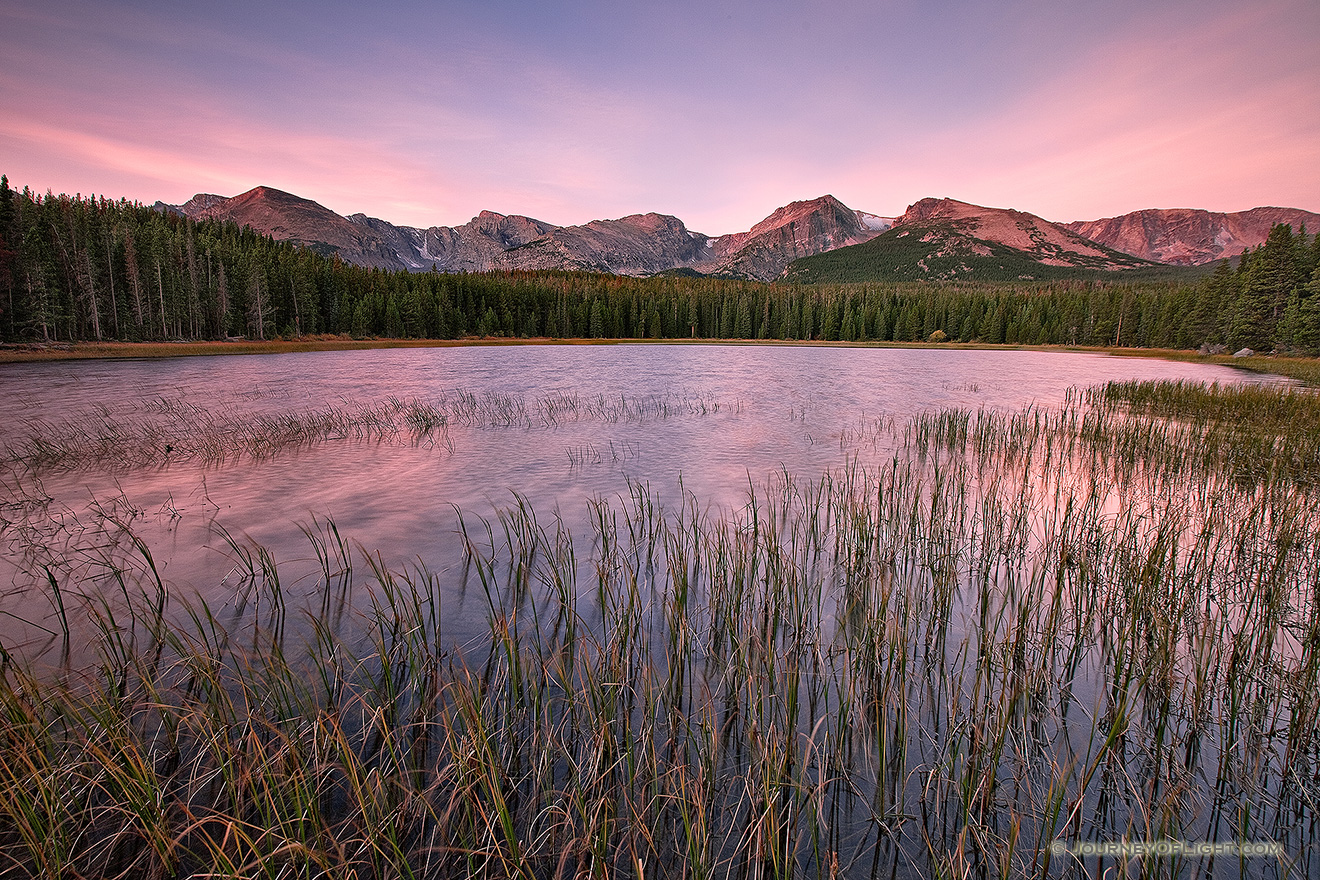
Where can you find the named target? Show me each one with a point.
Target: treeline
(1270, 301)
(74, 268)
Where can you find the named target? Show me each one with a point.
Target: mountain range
(933, 238)
(639, 244)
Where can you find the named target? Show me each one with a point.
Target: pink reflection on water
(712, 421)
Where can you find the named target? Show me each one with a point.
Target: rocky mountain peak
(651, 222)
(796, 212)
(798, 229)
(1048, 243)
(287, 217)
(1190, 236)
(270, 194)
(201, 202)
(946, 209)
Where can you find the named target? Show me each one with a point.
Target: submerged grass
(169, 429)
(1022, 629)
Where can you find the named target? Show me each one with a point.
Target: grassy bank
(22, 353)
(1088, 624)
(1303, 369)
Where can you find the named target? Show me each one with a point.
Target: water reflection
(710, 420)
(792, 407)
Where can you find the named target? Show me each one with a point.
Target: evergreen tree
(743, 325)
(1307, 336)
(393, 319)
(258, 303)
(361, 325)
(7, 258)
(1266, 282)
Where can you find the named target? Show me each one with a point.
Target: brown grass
(1303, 369)
(63, 351)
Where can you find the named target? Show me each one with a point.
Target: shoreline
(1303, 369)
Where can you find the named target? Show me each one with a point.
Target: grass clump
(1294, 411)
(1252, 432)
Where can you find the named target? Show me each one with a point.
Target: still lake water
(722, 419)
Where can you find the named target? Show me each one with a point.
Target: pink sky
(717, 113)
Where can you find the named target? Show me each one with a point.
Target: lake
(803, 609)
(722, 418)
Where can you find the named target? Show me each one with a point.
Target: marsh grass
(161, 430)
(1021, 628)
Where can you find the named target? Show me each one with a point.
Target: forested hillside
(74, 268)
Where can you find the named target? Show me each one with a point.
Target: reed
(157, 431)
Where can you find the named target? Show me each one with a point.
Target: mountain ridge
(945, 239)
(638, 244)
(1047, 243)
(650, 243)
(1190, 236)
(288, 217)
